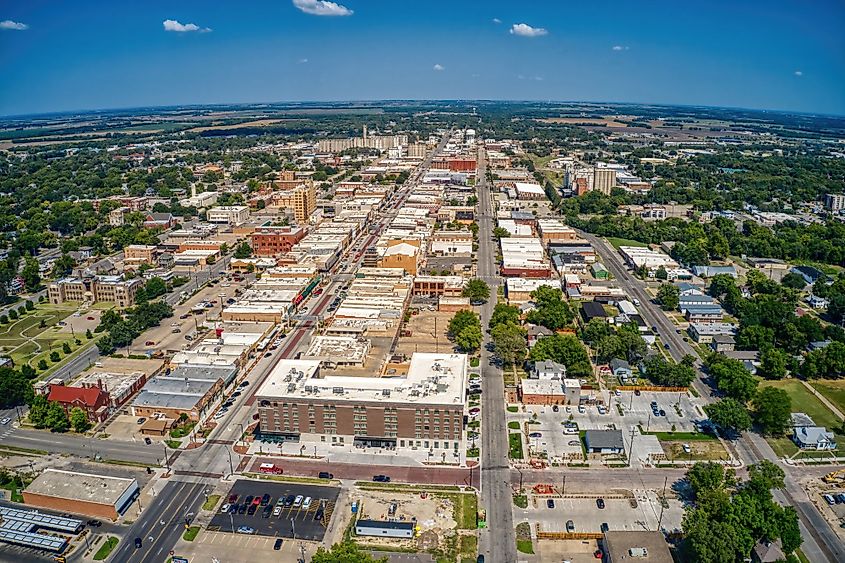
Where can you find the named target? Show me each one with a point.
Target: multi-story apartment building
(272, 241)
(834, 202)
(302, 199)
(421, 406)
(112, 289)
(136, 254)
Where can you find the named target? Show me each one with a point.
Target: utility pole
(662, 503)
(631, 448)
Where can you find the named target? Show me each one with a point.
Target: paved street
(498, 541)
(820, 542)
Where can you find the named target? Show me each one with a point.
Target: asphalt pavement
(498, 540)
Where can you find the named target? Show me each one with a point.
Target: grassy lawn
(523, 538)
(699, 450)
(173, 444)
(513, 425)
(681, 436)
(465, 508)
(106, 548)
(469, 547)
(616, 242)
(515, 441)
(513, 409)
(806, 402)
(211, 502)
(520, 500)
(15, 495)
(833, 390)
(191, 533)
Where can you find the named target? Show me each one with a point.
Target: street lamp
(166, 460)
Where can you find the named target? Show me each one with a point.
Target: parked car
(94, 523)
(662, 412)
(246, 530)
(147, 440)
(277, 510)
(225, 508)
(298, 500)
(138, 543)
(555, 408)
(289, 500)
(233, 508)
(600, 503)
(570, 526)
(550, 503)
(306, 504)
(242, 508)
(829, 499)
(325, 475)
(265, 500)
(267, 511)
(251, 509)
(535, 435)
(604, 527)
(278, 545)
(381, 479)
(141, 420)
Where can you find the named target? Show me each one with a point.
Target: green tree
(42, 364)
(772, 408)
(661, 371)
(38, 406)
(564, 349)
(56, 418)
(13, 314)
(596, 330)
(15, 388)
(668, 296)
(501, 232)
(793, 281)
(65, 347)
(30, 305)
(155, 287)
(661, 273)
(79, 420)
(54, 356)
(477, 291)
(64, 265)
(243, 250)
(88, 334)
(773, 362)
(550, 311)
(503, 314)
(462, 320)
(469, 338)
(729, 414)
(509, 343)
(731, 377)
(345, 552)
(30, 274)
(705, 477)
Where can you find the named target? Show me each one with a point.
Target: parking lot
(284, 520)
(640, 512)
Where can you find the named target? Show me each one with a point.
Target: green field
(515, 441)
(832, 389)
(617, 242)
(806, 402)
(26, 342)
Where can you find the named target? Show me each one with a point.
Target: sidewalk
(823, 399)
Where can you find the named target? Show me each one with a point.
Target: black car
(242, 508)
(248, 499)
(137, 543)
(381, 479)
(265, 499)
(147, 440)
(233, 509)
(550, 503)
(251, 510)
(604, 527)
(289, 500)
(600, 503)
(267, 511)
(662, 412)
(325, 475)
(94, 523)
(278, 545)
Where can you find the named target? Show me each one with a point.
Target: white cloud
(302, 61)
(322, 8)
(497, 20)
(620, 48)
(9, 24)
(525, 30)
(799, 73)
(173, 25)
(439, 67)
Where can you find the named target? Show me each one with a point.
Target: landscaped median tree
(731, 377)
(729, 414)
(477, 291)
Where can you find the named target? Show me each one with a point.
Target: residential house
(620, 369)
(813, 438)
(809, 273)
(723, 343)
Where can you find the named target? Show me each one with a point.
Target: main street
(498, 540)
(821, 543)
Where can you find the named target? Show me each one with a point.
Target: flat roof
(73, 485)
(619, 545)
(431, 379)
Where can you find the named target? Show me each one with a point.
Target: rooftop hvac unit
(436, 366)
(291, 387)
(337, 390)
(385, 392)
(638, 552)
(308, 388)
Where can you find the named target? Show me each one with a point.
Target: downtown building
(421, 406)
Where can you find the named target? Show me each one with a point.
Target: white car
(298, 500)
(5, 421)
(277, 510)
(687, 448)
(306, 504)
(225, 508)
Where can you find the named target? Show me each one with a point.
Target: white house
(813, 438)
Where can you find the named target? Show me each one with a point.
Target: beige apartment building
(302, 200)
(136, 254)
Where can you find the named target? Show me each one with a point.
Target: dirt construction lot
(428, 333)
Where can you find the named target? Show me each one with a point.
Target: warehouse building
(99, 496)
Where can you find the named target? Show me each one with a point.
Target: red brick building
(92, 399)
(272, 241)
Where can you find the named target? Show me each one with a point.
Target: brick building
(272, 241)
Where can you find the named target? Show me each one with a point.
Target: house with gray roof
(813, 438)
(604, 441)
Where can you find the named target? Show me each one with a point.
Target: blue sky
(779, 54)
